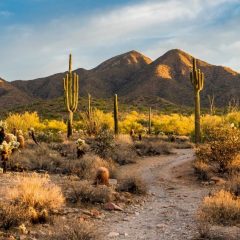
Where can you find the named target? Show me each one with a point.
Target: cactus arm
(75, 101)
(66, 84)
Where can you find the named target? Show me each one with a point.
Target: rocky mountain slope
(136, 78)
(11, 95)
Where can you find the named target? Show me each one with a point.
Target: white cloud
(150, 26)
(5, 13)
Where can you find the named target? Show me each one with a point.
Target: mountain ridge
(133, 75)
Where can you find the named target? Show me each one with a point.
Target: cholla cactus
(81, 147)
(8, 147)
(3, 124)
(80, 143)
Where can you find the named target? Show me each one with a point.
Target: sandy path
(169, 212)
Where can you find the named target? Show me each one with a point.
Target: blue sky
(37, 35)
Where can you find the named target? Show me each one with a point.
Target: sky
(36, 36)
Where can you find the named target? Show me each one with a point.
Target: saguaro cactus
(197, 80)
(71, 95)
(89, 106)
(115, 114)
(150, 121)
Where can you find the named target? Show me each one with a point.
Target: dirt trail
(169, 211)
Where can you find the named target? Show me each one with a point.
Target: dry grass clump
(77, 230)
(124, 151)
(31, 199)
(234, 166)
(132, 184)
(85, 192)
(202, 170)
(233, 185)
(151, 148)
(11, 215)
(221, 208)
(87, 166)
(124, 139)
(36, 191)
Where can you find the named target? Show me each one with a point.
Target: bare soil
(167, 212)
(170, 210)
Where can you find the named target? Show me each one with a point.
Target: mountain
(101, 81)
(11, 95)
(168, 78)
(136, 78)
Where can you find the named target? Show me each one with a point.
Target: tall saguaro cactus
(116, 114)
(71, 95)
(150, 121)
(197, 80)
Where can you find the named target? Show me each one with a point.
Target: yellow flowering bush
(24, 121)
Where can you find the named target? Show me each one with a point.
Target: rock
(218, 180)
(1, 171)
(161, 226)
(113, 234)
(113, 182)
(137, 213)
(112, 206)
(124, 234)
(22, 237)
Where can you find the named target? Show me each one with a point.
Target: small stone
(137, 213)
(113, 182)
(113, 234)
(218, 180)
(22, 237)
(124, 234)
(161, 226)
(112, 206)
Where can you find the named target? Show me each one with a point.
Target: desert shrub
(132, 121)
(150, 148)
(234, 118)
(87, 166)
(222, 147)
(66, 149)
(221, 208)
(202, 170)
(55, 126)
(173, 124)
(132, 184)
(103, 143)
(96, 122)
(183, 145)
(36, 158)
(37, 192)
(49, 136)
(24, 121)
(85, 192)
(124, 151)
(12, 215)
(233, 185)
(76, 230)
(233, 167)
